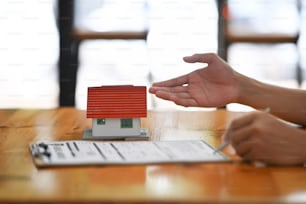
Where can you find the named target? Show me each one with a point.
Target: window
(126, 123)
(28, 30)
(101, 121)
(177, 27)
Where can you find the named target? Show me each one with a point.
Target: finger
(166, 95)
(237, 124)
(243, 151)
(178, 81)
(204, 58)
(255, 156)
(186, 102)
(242, 121)
(241, 135)
(172, 90)
(182, 98)
(152, 90)
(242, 141)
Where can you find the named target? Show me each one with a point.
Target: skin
(256, 136)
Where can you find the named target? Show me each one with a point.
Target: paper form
(133, 152)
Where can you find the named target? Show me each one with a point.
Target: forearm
(301, 144)
(288, 104)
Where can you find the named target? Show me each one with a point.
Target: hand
(212, 86)
(259, 136)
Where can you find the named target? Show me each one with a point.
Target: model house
(116, 110)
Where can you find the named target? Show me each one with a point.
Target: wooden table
(22, 182)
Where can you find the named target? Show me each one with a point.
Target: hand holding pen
(262, 138)
(226, 141)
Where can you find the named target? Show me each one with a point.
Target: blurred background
(30, 44)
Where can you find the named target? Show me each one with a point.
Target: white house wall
(112, 127)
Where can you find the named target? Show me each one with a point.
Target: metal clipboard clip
(40, 151)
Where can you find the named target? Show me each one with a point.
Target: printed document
(79, 152)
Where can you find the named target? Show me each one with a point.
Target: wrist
(302, 143)
(248, 90)
(297, 155)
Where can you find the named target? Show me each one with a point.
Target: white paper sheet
(133, 152)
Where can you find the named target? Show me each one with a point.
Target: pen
(221, 147)
(226, 143)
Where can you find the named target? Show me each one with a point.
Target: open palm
(211, 86)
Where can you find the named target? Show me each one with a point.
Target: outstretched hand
(212, 86)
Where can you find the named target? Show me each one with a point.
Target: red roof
(117, 102)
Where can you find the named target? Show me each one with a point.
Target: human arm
(218, 84)
(257, 136)
(286, 103)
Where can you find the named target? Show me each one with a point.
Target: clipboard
(80, 152)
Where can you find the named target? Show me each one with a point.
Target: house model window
(126, 123)
(116, 110)
(101, 121)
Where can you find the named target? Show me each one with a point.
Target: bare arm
(218, 84)
(257, 136)
(288, 104)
